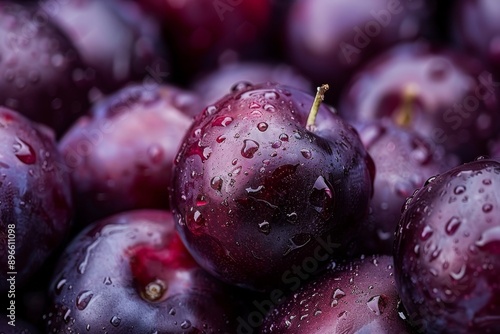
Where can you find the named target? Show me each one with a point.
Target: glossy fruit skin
(354, 297)
(121, 45)
(329, 39)
(455, 101)
(446, 254)
(35, 196)
(403, 160)
(475, 28)
(215, 84)
(120, 157)
(42, 75)
(102, 277)
(252, 186)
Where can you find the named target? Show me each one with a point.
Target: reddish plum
(130, 273)
(446, 254)
(403, 160)
(42, 75)
(453, 99)
(120, 157)
(256, 192)
(121, 45)
(355, 297)
(35, 198)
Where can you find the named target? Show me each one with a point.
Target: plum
(446, 252)
(35, 198)
(42, 75)
(120, 157)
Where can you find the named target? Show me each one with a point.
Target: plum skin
(238, 193)
(35, 197)
(446, 253)
(103, 278)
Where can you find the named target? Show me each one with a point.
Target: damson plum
(130, 273)
(454, 98)
(120, 157)
(35, 198)
(329, 39)
(214, 85)
(258, 187)
(404, 160)
(121, 45)
(354, 297)
(41, 73)
(447, 251)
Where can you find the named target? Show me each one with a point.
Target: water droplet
(250, 147)
(452, 225)
(292, 217)
(24, 152)
(283, 137)
(459, 190)
(487, 207)
(338, 294)
(239, 86)
(66, 316)
(269, 108)
(185, 324)
(203, 152)
(254, 105)
(270, 95)
(107, 280)
(377, 304)
(276, 144)
(220, 139)
(172, 311)
(60, 285)
(490, 240)
(426, 233)
(306, 153)
(115, 321)
(201, 200)
(83, 299)
(83, 265)
(487, 182)
(195, 220)
(429, 180)
(211, 110)
(322, 197)
(222, 121)
(265, 227)
(460, 274)
(262, 126)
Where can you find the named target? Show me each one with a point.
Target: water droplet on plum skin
(250, 147)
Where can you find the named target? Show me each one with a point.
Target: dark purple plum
(205, 33)
(329, 39)
(403, 160)
(130, 273)
(447, 251)
(35, 198)
(121, 44)
(120, 157)
(41, 73)
(454, 99)
(257, 189)
(354, 297)
(215, 84)
(476, 29)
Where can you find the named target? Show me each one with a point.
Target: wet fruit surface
(253, 186)
(355, 297)
(446, 254)
(35, 197)
(41, 73)
(130, 262)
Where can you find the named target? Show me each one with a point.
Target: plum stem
(320, 96)
(404, 115)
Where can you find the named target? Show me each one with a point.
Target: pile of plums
(264, 166)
